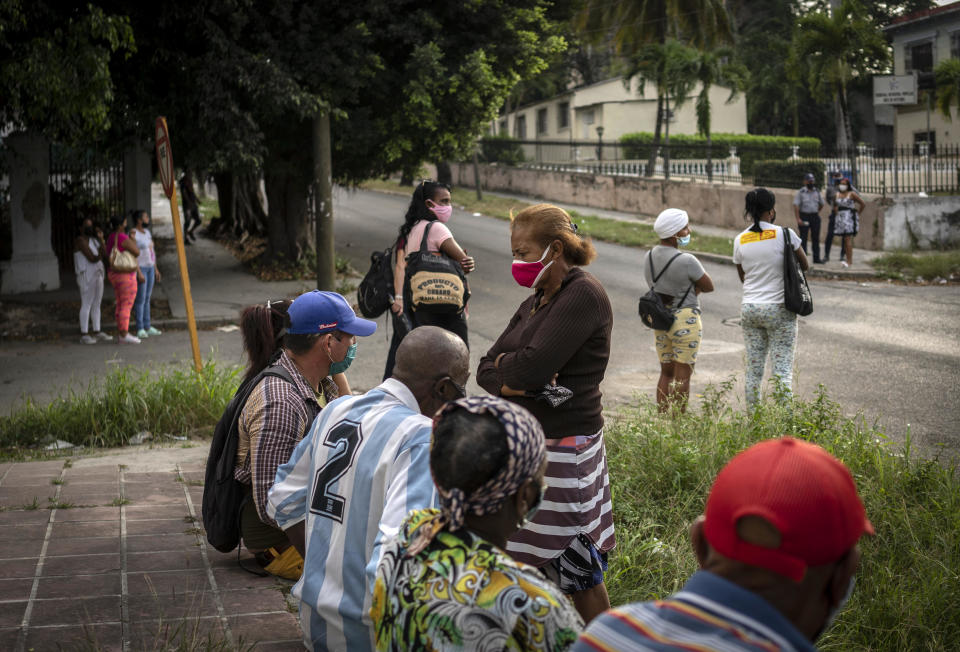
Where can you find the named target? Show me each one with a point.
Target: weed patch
(126, 402)
(907, 595)
(915, 266)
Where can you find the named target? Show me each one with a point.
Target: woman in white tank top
(88, 251)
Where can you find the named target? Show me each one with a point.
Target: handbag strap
(656, 277)
(426, 234)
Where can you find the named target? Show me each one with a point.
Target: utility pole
(323, 200)
(476, 176)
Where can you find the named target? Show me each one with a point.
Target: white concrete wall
(922, 223)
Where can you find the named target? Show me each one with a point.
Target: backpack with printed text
(375, 293)
(223, 495)
(434, 282)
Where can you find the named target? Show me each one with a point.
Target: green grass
(907, 595)
(906, 265)
(631, 234)
(210, 209)
(109, 412)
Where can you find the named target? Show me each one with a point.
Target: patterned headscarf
(526, 451)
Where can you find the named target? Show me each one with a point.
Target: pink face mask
(528, 274)
(443, 213)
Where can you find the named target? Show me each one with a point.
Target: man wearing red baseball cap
(777, 547)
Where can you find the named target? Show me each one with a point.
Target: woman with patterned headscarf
(446, 581)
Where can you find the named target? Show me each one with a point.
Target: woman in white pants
(88, 252)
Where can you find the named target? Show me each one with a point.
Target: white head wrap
(669, 222)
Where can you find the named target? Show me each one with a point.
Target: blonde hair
(548, 223)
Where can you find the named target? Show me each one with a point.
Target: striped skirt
(577, 501)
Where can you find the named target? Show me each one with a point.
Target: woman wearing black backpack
(680, 278)
(430, 208)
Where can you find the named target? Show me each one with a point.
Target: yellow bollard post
(165, 163)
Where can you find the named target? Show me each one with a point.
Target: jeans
(91, 294)
(141, 305)
(813, 230)
(768, 328)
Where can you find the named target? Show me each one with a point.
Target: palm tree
(633, 26)
(716, 67)
(839, 48)
(947, 79)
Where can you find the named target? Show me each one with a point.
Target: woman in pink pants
(124, 283)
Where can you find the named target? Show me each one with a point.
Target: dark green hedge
(750, 148)
(501, 149)
(787, 174)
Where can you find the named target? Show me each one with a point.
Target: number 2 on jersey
(344, 438)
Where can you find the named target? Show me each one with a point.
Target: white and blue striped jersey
(362, 467)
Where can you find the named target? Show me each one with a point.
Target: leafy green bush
(787, 174)
(750, 148)
(126, 402)
(907, 595)
(501, 149)
(901, 264)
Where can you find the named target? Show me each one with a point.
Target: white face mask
(842, 187)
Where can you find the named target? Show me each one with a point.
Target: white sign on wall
(895, 89)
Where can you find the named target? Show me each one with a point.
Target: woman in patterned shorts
(446, 581)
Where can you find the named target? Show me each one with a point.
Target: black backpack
(223, 496)
(375, 293)
(434, 282)
(653, 313)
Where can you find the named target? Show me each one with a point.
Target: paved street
(891, 351)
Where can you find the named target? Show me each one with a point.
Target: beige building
(922, 40)
(618, 109)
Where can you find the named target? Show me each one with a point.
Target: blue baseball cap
(322, 312)
(808, 177)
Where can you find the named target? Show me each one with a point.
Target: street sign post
(165, 163)
(894, 89)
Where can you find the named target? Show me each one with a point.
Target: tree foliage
(947, 79)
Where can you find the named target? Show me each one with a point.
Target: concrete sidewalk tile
(234, 578)
(11, 615)
(24, 517)
(159, 526)
(161, 478)
(105, 638)
(71, 611)
(161, 561)
(161, 542)
(15, 549)
(152, 496)
(24, 470)
(86, 585)
(22, 532)
(88, 514)
(15, 568)
(88, 546)
(8, 638)
(16, 589)
(167, 583)
(87, 500)
(77, 475)
(74, 530)
(192, 633)
(135, 512)
(171, 607)
(265, 627)
(246, 601)
(82, 564)
(23, 498)
(280, 646)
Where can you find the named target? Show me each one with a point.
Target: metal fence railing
(872, 170)
(82, 184)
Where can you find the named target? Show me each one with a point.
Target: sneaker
(100, 335)
(153, 331)
(128, 339)
(86, 339)
(142, 334)
(844, 263)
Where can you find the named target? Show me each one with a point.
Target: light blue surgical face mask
(343, 365)
(684, 241)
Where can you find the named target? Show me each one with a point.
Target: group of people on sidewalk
(415, 517)
(844, 219)
(128, 259)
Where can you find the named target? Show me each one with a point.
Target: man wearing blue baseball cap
(319, 342)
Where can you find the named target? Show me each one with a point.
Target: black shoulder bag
(653, 313)
(796, 293)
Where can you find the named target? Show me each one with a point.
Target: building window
(541, 121)
(563, 114)
(929, 137)
(503, 126)
(520, 126)
(955, 45)
(919, 57)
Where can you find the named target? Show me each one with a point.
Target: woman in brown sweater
(551, 359)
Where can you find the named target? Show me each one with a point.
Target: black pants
(813, 230)
(192, 220)
(828, 243)
(456, 324)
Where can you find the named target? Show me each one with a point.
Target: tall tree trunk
(226, 200)
(652, 158)
(287, 232)
(848, 135)
(444, 173)
(323, 202)
(666, 131)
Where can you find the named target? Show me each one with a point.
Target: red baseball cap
(800, 489)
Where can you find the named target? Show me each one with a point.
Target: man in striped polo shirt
(777, 547)
(348, 485)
